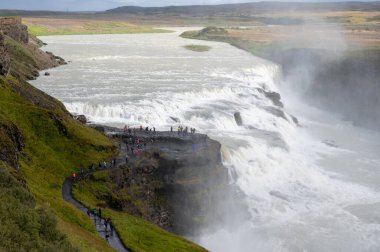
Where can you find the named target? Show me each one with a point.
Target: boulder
(238, 119)
(81, 118)
(273, 96)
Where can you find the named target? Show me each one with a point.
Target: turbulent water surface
(313, 187)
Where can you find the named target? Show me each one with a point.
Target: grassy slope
(198, 48)
(49, 157)
(56, 145)
(138, 234)
(259, 48)
(45, 27)
(35, 228)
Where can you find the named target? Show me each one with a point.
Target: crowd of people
(134, 146)
(96, 215)
(183, 130)
(133, 131)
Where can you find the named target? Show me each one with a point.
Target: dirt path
(113, 239)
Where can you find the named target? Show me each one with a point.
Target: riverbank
(326, 71)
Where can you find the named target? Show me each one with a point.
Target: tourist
(106, 224)
(141, 128)
(126, 159)
(132, 150)
(136, 152)
(111, 226)
(154, 130)
(171, 129)
(94, 213)
(100, 212)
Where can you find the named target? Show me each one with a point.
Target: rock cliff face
(4, 57)
(13, 28)
(19, 54)
(178, 183)
(11, 143)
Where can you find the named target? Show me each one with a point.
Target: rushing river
(313, 187)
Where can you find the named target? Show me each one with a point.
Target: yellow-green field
(52, 26)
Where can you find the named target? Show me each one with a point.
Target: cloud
(98, 5)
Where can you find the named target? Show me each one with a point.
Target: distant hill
(242, 9)
(246, 8)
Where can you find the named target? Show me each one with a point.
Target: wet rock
(81, 118)
(295, 119)
(47, 74)
(273, 96)
(238, 119)
(278, 194)
(100, 128)
(277, 112)
(175, 119)
(57, 59)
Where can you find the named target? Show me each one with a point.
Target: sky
(98, 5)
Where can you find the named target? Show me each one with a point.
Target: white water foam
(296, 200)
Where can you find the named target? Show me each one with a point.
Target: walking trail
(113, 238)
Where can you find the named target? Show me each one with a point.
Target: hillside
(248, 8)
(40, 146)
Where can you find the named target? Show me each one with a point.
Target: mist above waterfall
(295, 187)
(323, 70)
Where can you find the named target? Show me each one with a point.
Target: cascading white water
(303, 192)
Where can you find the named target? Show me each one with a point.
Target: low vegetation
(35, 228)
(198, 48)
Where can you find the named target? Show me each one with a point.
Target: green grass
(55, 145)
(90, 28)
(49, 157)
(21, 59)
(198, 48)
(261, 49)
(35, 228)
(136, 233)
